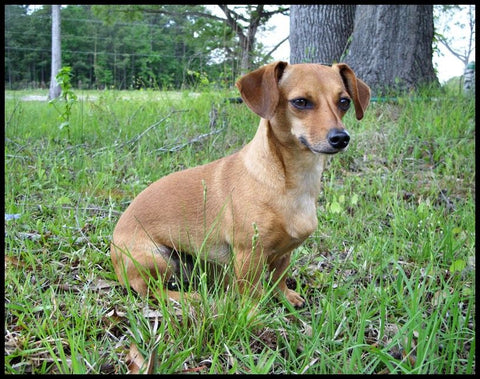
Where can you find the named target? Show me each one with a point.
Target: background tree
(391, 45)
(183, 41)
(319, 33)
(80, 40)
(15, 18)
(245, 22)
(135, 46)
(27, 46)
(445, 32)
(55, 89)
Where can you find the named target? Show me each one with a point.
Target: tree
(15, 16)
(319, 33)
(27, 57)
(166, 46)
(242, 21)
(79, 36)
(55, 89)
(446, 32)
(391, 45)
(245, 23)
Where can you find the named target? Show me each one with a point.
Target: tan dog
(255, 206)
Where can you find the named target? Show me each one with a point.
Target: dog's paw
(294, 298)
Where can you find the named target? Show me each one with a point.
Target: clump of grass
(388, 276)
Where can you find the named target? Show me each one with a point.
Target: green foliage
(121, 46)
(27, 45)
(388, 276)
(459, 35)
(64, 103)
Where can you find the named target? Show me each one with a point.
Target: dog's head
(306, 102)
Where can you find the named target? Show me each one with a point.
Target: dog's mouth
(322, 148)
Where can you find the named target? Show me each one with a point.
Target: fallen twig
(213, 122)
(133, 140)
(138, 136)
(198, 138)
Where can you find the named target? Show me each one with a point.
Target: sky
(446, 64)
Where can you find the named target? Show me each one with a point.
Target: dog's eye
(301, 103)
(344, 103)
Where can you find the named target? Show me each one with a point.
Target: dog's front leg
(248, 270)
(278, 269)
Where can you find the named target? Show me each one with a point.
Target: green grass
(388, 276)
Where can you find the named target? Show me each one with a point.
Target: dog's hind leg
(138, 269)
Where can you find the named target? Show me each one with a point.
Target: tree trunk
(391, 46)
(55, 89)
(254, 16)
(246, 35)
(319, 33)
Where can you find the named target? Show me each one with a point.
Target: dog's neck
(273, 159)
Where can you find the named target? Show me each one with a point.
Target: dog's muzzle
(338, 138)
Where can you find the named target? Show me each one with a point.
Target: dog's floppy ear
(357, 88)
(259, 88)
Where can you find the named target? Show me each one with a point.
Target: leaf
(458, 266)
(116, 314)
(135, 360)
(335, 207)
(64, 125)
(113, 321)
(151, 313)
(102, 284)
(15, 262)
(422, 208)
(354, 199)
(63, 200)
(439, 297)
(456, 230)
(195, 369)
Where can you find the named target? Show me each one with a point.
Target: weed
(67, 95)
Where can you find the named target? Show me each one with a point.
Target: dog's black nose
(338, 138)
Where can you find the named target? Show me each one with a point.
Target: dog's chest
(292, 226)
(300, 204)
(301, 218)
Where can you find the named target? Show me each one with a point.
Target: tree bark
(319, 33)
(391, 46)
(55, 89)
